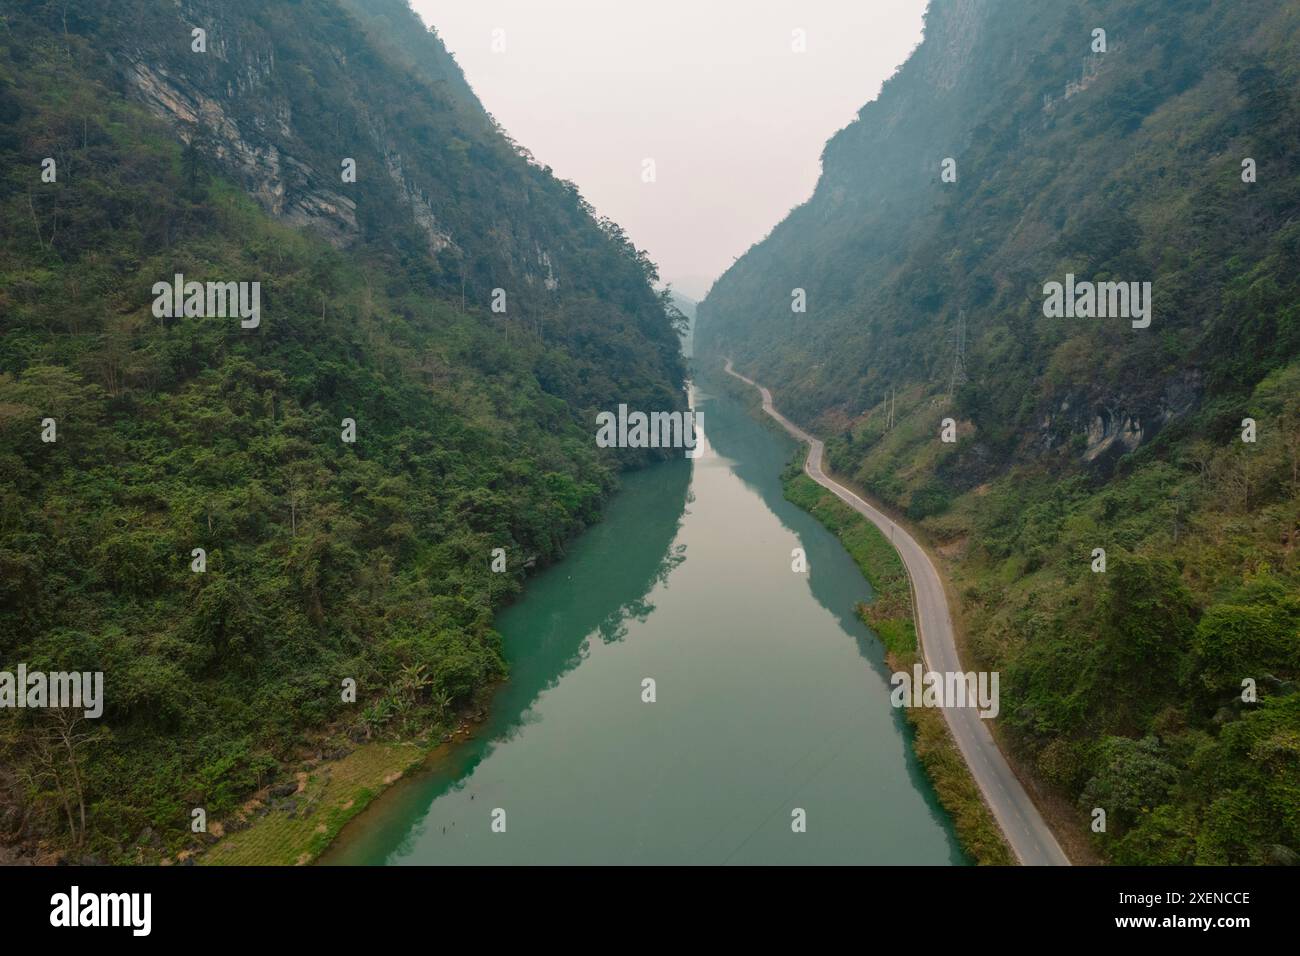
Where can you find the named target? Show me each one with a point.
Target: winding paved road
(1023, 826)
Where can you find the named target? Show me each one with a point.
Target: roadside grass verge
(890, 617)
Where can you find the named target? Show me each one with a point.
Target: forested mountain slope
(221, 157)
(1113, 158)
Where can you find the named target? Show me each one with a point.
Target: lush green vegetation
(296, 829)
(1121, 689)
(1125, 687)
(325, 560)
(890, 612)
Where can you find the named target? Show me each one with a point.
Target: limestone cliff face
(279, 108)
(1009, 150)
(1105, 423)
(284, 185)
(954, 31)
(897, 137)
(228, 95)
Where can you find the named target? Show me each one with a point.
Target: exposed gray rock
(281, 184)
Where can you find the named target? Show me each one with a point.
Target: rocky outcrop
(282, 184)
(436, 179)
(415, 201)
(954, 30)
(228, 98)
(1115, 424)
(1108, 429)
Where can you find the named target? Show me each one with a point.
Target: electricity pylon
(959, 377)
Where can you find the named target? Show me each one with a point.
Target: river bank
(293, 823)
(432, 808)
(1022, 825)
(770, 697)
(890, 616)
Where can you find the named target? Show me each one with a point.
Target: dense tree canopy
(1122, 688)
(325, 560)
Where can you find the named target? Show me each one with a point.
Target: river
(771, 696)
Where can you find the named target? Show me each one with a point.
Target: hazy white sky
(711, 90)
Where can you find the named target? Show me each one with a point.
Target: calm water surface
(772, 696)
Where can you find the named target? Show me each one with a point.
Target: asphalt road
(1023, 826)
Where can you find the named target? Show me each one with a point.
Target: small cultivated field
(295, 830)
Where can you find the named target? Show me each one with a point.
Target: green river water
(771, 696)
